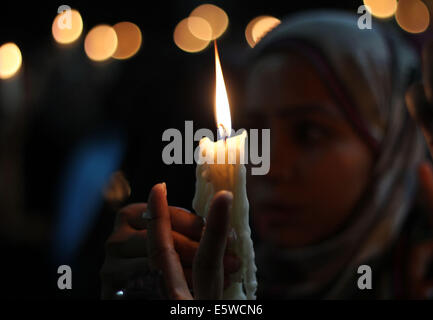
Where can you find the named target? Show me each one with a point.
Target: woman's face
(319, 165)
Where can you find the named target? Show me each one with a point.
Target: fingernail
(147, 215)
(164, 186)
(228, 195)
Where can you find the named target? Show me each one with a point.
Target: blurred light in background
(100, 43)
(200, 28)
(381, 8)
(412, 16)
(87, 171)
(128, 40)
(64, 34)
(10, 60)
(215, 16)
(263, 26)
(259, 27)
(249, 31)
(118, 189)
(185, 40)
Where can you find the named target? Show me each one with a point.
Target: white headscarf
(368, 71)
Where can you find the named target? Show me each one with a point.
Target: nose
(285, 158)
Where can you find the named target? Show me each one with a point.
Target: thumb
(208, 268)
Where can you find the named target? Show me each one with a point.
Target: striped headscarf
(367, 71)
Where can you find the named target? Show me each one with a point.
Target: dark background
(70, 100)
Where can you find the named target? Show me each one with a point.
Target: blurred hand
(163, 249)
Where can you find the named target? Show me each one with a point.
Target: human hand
(126, 264)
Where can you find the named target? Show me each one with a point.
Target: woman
(343, 177)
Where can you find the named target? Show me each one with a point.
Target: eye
(309, 133)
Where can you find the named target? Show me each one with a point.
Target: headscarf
(367, 71)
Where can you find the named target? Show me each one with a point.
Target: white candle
(226, 171)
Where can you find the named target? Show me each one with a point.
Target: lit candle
(224, 169)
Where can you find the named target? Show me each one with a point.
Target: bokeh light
(263, 26)
(10, 60)
(118, 189)
(100, 43)
(128, 40)
(412, 16)
(63, 33)
(185, 40)
(215, 16)
(200, 28)
(381, 8)
(259, 27)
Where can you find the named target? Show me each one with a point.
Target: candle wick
(225, 133)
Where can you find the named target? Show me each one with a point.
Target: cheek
(340, 176)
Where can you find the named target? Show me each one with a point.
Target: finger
(425, 175)
(182, 220)
(131, 215)
(427, 57)
(127, 242)
(186, 223)
(130, 243)
(208, 272)
(133, 244)
(160, 245)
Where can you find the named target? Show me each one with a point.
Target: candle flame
(222, 107)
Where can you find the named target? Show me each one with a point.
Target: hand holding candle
(172, 234)
(208, 269)
(223, 169)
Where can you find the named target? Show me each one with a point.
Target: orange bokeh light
(381, 8)
(63, 33)
(200, 28)
(129, 40)
(185, 40)
(100, 43)
(412, 16)
(259, 27)
(10, 60)
(215, 16)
